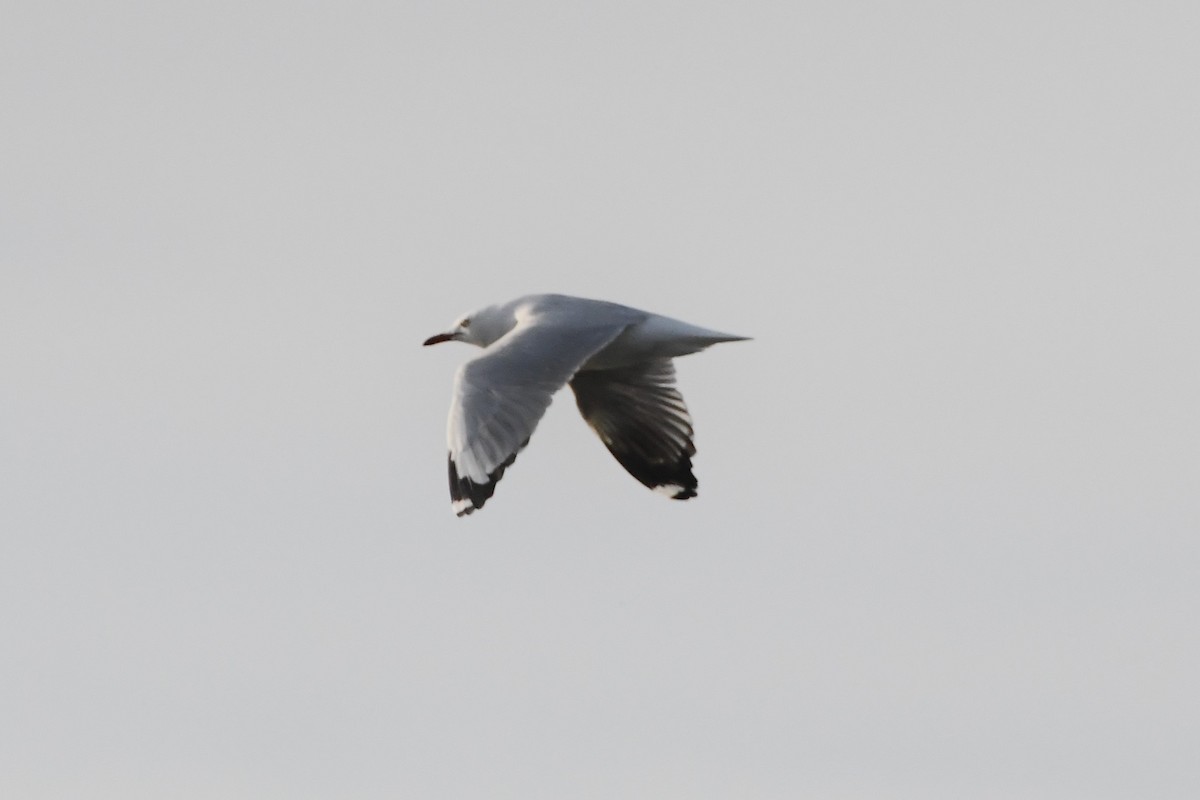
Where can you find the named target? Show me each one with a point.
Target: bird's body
(617, 361)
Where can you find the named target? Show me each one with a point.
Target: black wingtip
(465, 494)
(676, 481)
(673, 478)
(684, 492)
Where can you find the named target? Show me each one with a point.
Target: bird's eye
(466, 323)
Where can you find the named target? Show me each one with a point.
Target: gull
(617, 361)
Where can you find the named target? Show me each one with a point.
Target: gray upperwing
(500, 396)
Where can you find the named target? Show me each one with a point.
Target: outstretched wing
(500, 396)
(641, 418)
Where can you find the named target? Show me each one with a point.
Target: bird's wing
(641, 418)
(500, 396)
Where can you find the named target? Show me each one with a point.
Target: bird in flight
(617, 361)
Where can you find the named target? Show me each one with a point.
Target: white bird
(618, 362)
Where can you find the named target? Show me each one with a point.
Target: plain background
(946, 539)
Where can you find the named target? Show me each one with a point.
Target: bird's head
(481, 328)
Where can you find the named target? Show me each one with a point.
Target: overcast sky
(946, 542)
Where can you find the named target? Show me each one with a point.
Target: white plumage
(617, 361)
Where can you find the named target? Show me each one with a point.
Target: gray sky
(946, 539)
